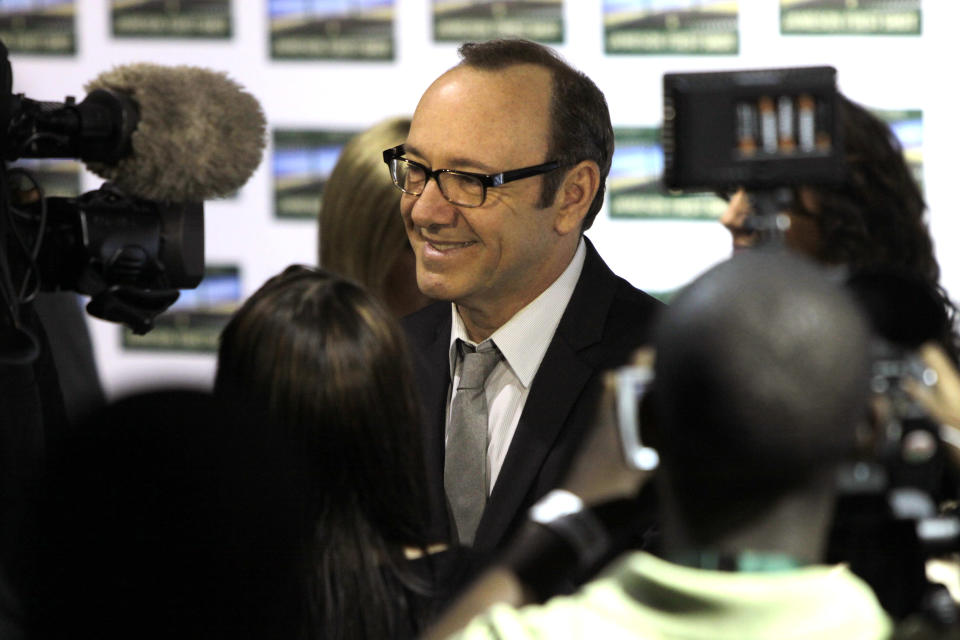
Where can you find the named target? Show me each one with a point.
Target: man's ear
(575, 196)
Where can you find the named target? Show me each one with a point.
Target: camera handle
(769, 219)
(132, 306)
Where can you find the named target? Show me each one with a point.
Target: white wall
(883, 72)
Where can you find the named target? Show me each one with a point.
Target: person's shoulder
(631, 295)
(422, 326)
(427, 317)
(634, 308)
(624, 315)
(596, 271)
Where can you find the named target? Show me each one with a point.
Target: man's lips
(443, 246)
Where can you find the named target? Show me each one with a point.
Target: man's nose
(430, 208)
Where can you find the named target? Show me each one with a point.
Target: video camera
(129, 254)
(769, 131)
(763, 130)
(758, 129)
(897, 505)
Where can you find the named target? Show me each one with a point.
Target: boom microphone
(165, 138)
(175, 134)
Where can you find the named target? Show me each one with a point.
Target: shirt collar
(524, 338)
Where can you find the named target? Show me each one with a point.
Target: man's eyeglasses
(462, 188)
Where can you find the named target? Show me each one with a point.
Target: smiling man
(502, 171)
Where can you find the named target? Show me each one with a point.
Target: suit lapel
(555, 390)
(430, 346)
(436, 377)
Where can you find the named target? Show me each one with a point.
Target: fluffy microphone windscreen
(200, 134)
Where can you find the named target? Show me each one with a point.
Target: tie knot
(478, 362)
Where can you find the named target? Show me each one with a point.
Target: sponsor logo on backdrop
(679, 27)
(842, 17)
(459, 21)
(58, 177)
(166, 19)
(634, 186)
(39, 27)
(302, 163)
(332, 29)
(907, 125)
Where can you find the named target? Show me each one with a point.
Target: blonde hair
(361, 231)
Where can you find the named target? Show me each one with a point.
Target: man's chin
(436, 288)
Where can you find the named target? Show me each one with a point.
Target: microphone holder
(769, 219)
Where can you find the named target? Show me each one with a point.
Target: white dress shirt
(523, 341)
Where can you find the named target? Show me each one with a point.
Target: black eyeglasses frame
(486, 180)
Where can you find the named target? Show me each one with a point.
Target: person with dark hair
(361, 236)
(315, 358)
(290, 503)
(761, 379)
(873, 222)
(501, 173)
(165, 516)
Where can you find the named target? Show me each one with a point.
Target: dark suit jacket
(605, 321)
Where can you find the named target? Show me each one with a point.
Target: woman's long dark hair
(315, 356)
(875, 220)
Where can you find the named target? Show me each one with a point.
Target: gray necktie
(465, 462)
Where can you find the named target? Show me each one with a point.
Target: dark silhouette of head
(164, 516)
(762, 373)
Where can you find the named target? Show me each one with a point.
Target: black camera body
(131, 255)
(893, 513)
(757, 129)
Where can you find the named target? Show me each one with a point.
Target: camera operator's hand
(600, 472)
(941, 400)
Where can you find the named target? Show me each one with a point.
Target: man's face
(803, 235)
(502, 254)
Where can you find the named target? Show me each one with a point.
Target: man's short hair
(762, 375)
(580, 127)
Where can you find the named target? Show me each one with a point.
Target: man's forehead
(512, 79)
(473, 109)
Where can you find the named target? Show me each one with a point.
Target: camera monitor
(758, 129)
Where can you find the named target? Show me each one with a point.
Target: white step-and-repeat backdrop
(324, 69)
